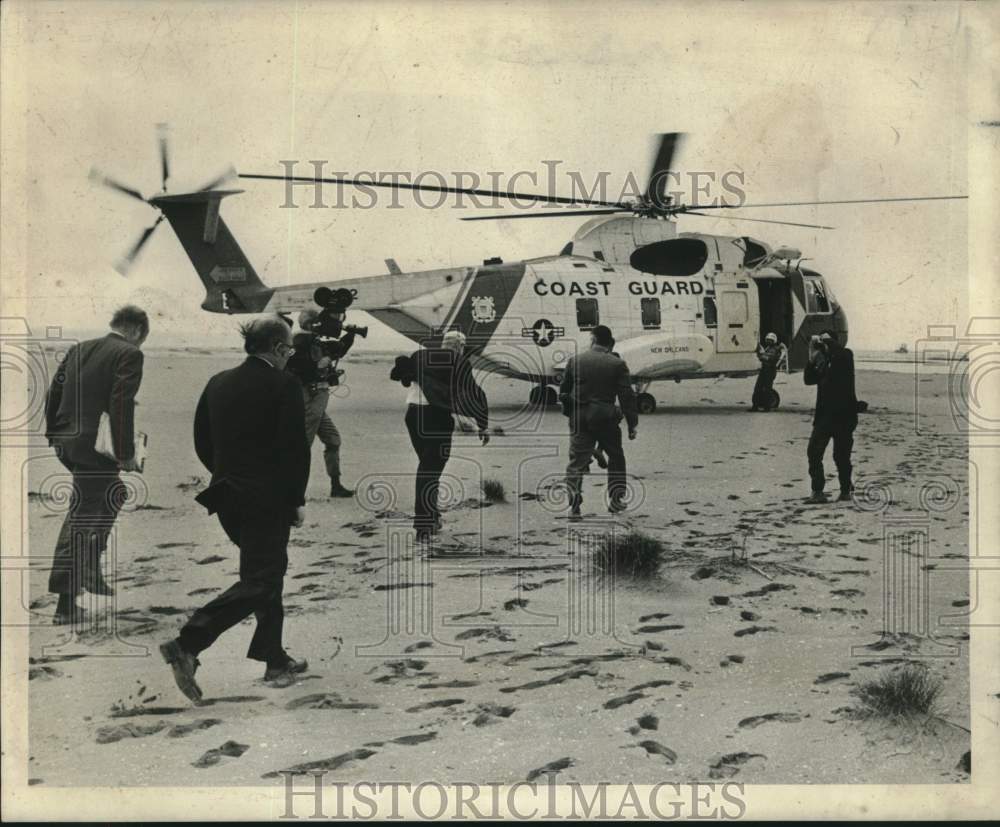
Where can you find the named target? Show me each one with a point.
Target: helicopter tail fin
(231, 283)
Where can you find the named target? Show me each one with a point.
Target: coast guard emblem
(483, 310)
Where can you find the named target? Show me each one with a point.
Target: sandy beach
(502, 657)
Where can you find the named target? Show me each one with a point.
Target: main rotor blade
(554, 214)
(125, 262)
(161, 129)
(655, 186)
(682, 209)
(758, 220)
(211, 185)
(98, 177)
(526, 196)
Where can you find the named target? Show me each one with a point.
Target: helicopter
(682, 305)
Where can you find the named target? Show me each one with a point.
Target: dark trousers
(97, 496)
(262, 537)
(430, 431)
(842, 434)
(583, 437)
(763, 386)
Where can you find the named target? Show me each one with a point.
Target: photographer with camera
(323, 340)
(831, 370)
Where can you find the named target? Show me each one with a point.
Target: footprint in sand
(327, 700)
(490, 713)
(657, 616)
(731, 659)
(648, 722)
(111, 734)
(551, 768)
(745, 615)
(45, 673)
(650, 685)
(329, 764)
(831, 676)
(181, 730)
(753, 630)
(631, 697)
(436, 704)
(413, 740)
(782, 717)
(656, 748)
(214, 558)
(729, 765)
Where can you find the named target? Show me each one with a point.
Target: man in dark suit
(590, 385)
(831, 370)
(249, 431)
(97, 376)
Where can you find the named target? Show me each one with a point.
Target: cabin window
(735, 309)
(817, 300)
(651, 314)
(587, 315)
(711, 313)
(673, 257)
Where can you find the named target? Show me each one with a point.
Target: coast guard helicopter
(682, 305)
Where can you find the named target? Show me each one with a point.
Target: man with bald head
(249, 432)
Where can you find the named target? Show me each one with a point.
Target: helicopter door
(737, 318)
(775, 300)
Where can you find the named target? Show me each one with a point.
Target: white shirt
(415, 396)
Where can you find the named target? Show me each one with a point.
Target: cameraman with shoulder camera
(314, 364)
(831, 369)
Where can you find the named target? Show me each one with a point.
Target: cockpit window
(817, 300)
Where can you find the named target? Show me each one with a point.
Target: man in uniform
(592, 382)
(769, 355)
(96, 377)
(314, 365)
(831, 370)
(249, 432)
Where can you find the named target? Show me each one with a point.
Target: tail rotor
(124, 264)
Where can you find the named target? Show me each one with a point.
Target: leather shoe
(289, 667)
(817, 498)
(184, 665)
(337, 490)
(846, 495)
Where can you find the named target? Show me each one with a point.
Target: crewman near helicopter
(769, 355)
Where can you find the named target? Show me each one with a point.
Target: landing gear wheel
(550, 397)
(645, 403)
(773, 400)
(535, 395)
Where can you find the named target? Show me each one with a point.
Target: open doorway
(775, 303)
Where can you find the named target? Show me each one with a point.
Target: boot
(337, 490)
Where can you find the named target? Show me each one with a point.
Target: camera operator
(314, 364)
(831, 369)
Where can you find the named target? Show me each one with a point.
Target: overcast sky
(818, 100)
